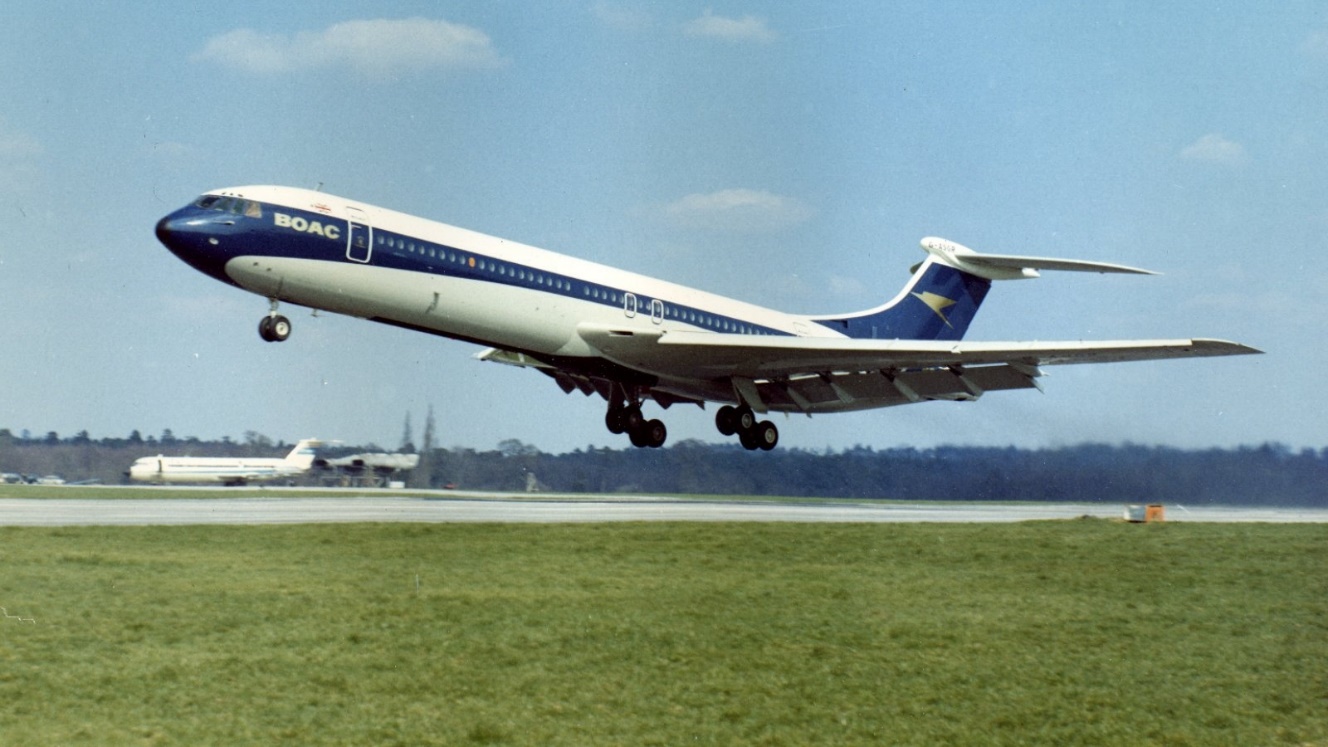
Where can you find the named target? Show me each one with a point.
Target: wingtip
(1223, 347)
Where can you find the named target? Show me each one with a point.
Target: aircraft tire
(633, 420)
(766, 435)
(655, 433)
(748, 440)
(726, 420)
(746, 419)
(274, 328)
(616, 420)
(281, 328)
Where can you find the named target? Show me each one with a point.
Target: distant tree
(422, 477)
(512, 447)
(407, 437)
(52, 438)
(429, 431)
(256, 444)
(135, 437)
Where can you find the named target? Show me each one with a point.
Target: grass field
(1085, 632)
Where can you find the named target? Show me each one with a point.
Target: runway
(297, 508)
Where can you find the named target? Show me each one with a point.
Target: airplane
(225, 470)
(627, 337)
(375, 469)
(377, 462)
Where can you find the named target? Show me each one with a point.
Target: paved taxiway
(326, 508)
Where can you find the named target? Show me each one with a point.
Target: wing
(824, 374)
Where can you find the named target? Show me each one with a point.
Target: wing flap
(842, 392)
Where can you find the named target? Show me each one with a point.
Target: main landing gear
(752, 434)
(628, 419)
(274, 327)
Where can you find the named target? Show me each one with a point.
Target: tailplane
(302, 456)
(946, 290)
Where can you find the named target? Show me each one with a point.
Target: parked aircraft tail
(302, 456)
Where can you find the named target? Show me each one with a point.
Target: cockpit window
(236, 205)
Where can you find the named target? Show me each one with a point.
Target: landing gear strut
(628, 419)
(741, 420)
(274, 327)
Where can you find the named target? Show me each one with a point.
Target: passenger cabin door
(359, 235)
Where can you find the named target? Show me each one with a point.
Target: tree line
(1264, 475)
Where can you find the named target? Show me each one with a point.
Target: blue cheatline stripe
(395, 250)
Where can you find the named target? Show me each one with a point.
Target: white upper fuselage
(459, 283)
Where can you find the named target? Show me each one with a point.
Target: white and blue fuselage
(625, 336)
(317, 250)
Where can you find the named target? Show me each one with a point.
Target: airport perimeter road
(380, 508)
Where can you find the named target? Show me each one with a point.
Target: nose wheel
(274, 328)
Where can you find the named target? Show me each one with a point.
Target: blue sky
(789, 154)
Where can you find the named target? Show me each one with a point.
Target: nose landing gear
(274, 327)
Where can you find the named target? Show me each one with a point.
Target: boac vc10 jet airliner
(627, 337)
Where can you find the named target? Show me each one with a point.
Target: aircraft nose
(166, 231)
(194, 240)
(165, 228)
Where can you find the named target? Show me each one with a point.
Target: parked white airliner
(225, 470)
(627, 337)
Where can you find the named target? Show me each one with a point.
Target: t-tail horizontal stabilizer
(1011, 267)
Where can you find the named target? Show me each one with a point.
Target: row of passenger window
(452, 256)
(637, 304)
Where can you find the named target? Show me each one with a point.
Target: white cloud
(737, 210)
(375, 47)
(1214, 148)
(745, 29)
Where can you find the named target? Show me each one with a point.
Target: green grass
(1084, 632)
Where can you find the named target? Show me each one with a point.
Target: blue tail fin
(946, 290)
(938, 303)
